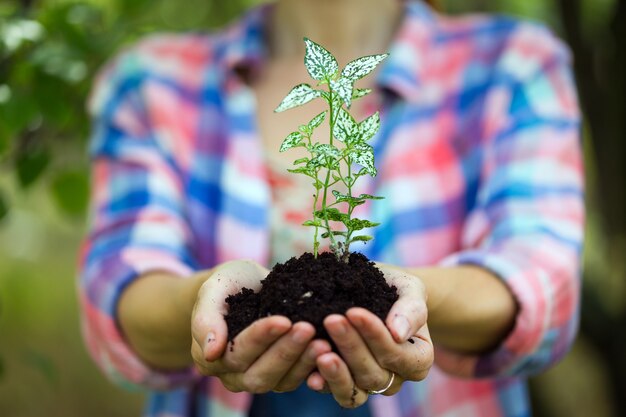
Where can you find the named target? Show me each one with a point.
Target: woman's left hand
(372, 352)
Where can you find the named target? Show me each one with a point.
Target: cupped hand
(271, 354)
(372, 349)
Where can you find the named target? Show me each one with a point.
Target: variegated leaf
(360, 67)
(361, 238)
(326, 150)
(299, 95)
(343, 87)
(363, 154)
(316, 121)
(369, 126)
(370, 197)
(320, 63)
(293, 139)
(345, 126)
(360, 92)
(359, 224)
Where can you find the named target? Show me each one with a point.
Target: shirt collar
(245, 49)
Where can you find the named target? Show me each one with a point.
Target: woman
(479, 162)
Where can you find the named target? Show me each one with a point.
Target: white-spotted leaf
(316, 121)
(363, 154)
(360, 92)
(369, 126)
(320, 63)
(360, 67)
(293, 139)
(343, 88)
(299, 95)
(345, 127)
(359, 224)
(361, 238)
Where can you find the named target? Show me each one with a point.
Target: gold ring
(392, 376)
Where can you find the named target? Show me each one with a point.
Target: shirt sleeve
(137, 219)
(527, 224)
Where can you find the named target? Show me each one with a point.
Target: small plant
(331, 166)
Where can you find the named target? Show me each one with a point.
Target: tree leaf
(316, 121)
(363, 154)
(299, 95)
(70, 191)
(345, 127)
(358, 224)
(369, 127)
(343, 88)
(320, 63)
(292, 140)
(360, 67)
(30, 164)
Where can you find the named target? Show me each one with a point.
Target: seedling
(345, 157)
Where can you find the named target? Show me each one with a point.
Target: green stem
(331, 123)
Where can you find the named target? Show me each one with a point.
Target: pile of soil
(309, 289)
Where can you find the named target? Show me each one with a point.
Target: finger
(411, 361)
(304, 367)
(409, 313)
(337, 375)
(253, 341)
(272, 366)
(316, 382)
(208, 327)
(364, 368)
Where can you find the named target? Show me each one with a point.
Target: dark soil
(309, 289)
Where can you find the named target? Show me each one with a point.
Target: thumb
(208, 327)
(409, 313)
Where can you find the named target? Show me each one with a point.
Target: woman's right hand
(271, 354)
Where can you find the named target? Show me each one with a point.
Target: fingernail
(402, 327)
(299, 336)
(339, 329)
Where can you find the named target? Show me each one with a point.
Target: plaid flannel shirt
(479, 160)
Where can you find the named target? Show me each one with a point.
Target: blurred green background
(49, 53)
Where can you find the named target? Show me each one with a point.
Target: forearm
(470, 310)
(154, 313)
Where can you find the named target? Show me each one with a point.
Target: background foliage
(49, 53)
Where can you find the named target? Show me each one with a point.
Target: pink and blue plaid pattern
(479, 160)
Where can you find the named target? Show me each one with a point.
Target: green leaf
(343, 88)
(30, 164)
(316, 121)
(320, 63)
(314, 223)
(301, 161)
(345, 127)
(360, 67)
(326, 150)
(70, 191)
(333, 214)
(363, 154)
(361, 238)
(318, 184)
(358, 224)
(370, 197)
(335, 233)
(360, 92)
(306, 170)
(292, 140)
(299, 95)
(369, 127)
